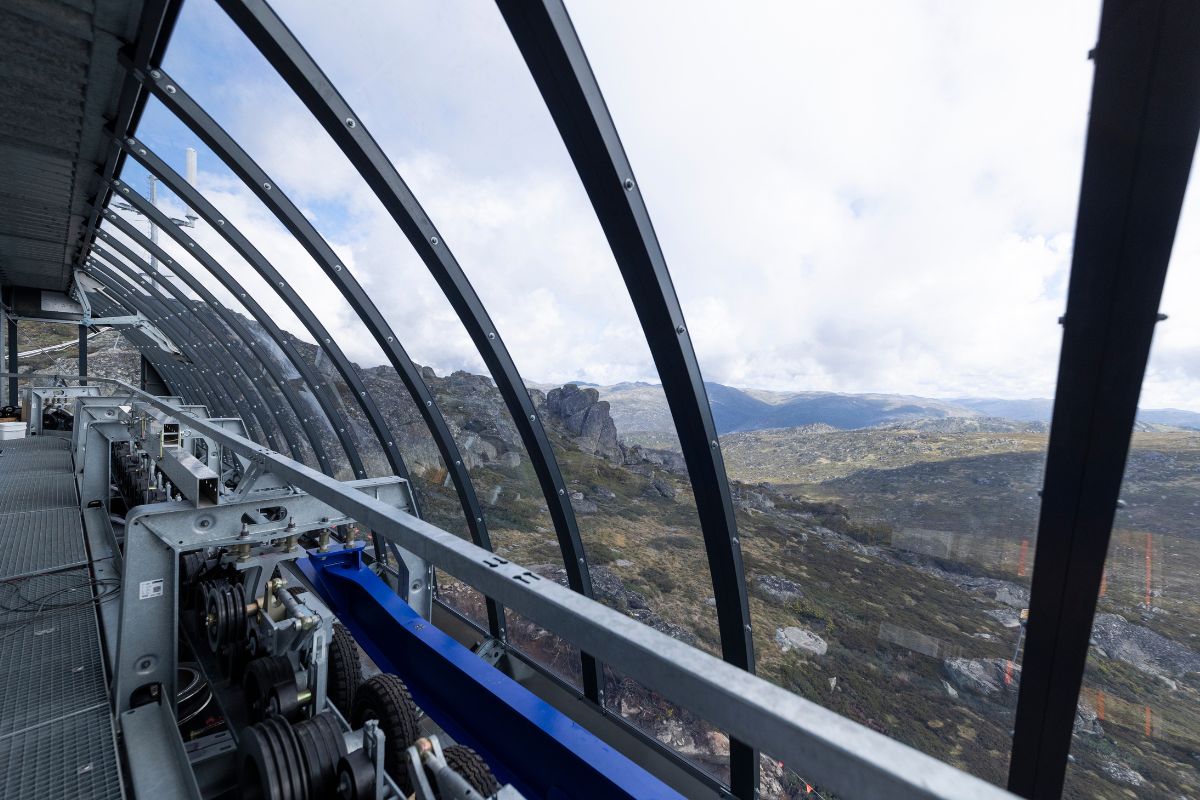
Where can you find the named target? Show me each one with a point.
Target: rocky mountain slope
(886, 566)
(641, 408)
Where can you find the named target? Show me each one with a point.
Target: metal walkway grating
(37, 541)
(50, 663)
(37, 492)
(72, 757)
(34, 443)
(26, 462)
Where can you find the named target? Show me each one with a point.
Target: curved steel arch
(271, 37)
(188, 111)
(238, 369)
(123, 297)
(254, 257)
(318, 388)
(148, 350)
(551, 48)
(231, 321)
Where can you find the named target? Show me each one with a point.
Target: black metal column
(83, 353)
(1145, 118)
(272, 38)
(12, 361)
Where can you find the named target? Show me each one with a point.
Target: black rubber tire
(344, 670)
(469, 764)
(385, 698)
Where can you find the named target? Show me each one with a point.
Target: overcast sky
(851, 196)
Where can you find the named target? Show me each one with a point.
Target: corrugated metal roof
(59, 80)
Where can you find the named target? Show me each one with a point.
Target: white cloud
(851, 196)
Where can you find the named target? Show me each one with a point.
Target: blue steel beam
(528, 742)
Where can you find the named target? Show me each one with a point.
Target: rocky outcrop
(806, 641)
(585, 418)
(778, 589)
(1143, 648)
(982, 676)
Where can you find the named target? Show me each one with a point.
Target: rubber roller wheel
(322, 746)
(344, 670)
(385, 698)
(272, 766)
(469, 764)
(262, 676)
(355, 777)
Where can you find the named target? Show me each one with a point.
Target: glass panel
(1137, 729)
(871, 260)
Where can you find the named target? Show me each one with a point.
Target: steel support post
(272, 38)
(83, 352)
(1141, 139)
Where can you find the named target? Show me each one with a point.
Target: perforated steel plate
(26, 462)
(36, 541)
(36, 492)
(74, 757)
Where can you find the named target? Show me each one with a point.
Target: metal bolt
(350, 123)
(220, 222)
(155, 74)
(679, 329)
(433, 240)
(629, 184)
(713, 443)
(533, 417)
(389, 338)
(170, 89)
(337, 267)
(492, 335)
(562, 491)
(141, 151)
(267, 186)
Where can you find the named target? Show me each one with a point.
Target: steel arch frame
(547, 40)
(188, 111)
(1143, 125)
(282, 287)
(318, 388)
(247, 392)
(197, 378)
(173, 375)
(271, 37)
(238, 369)
(231, 320)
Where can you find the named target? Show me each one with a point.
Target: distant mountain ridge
(642, 407)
